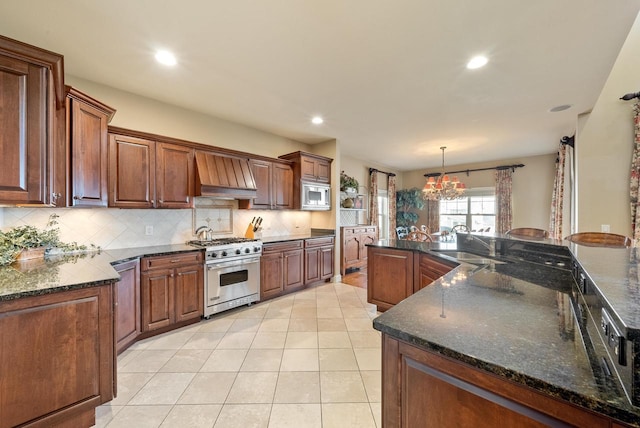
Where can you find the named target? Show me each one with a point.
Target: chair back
(424, 228)
(600, 239)
(459, 228)
(528, 232)
(419, 236)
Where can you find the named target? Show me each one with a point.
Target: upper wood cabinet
(87, 121)
(174, 176)
(310, 167)
(149, 174)
(31, 125)
(274, 186)
(131, 172)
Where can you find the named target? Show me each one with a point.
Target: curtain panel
(373, 198)
(504, 209)
(391, 193)
(557, 197)
(433, 216)
(635, 177)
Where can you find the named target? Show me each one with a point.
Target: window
(477, 211)
(383, 214)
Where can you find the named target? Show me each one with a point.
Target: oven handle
(216, 266)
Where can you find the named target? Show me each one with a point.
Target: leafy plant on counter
(346, 181)
(20, 238)
(406, 201)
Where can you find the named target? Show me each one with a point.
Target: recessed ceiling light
(166, 58)
(562, 107)
(317, 120)
(477, 62)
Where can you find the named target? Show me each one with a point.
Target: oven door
(233, 283)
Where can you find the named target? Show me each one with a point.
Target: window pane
(447, 221)
(483, 222)
(457, 206)
(483, 204)
(383, 215)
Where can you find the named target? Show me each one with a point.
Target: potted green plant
(28, 242)
(407, 201)
(348, 184)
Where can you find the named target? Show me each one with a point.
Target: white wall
(604, 146)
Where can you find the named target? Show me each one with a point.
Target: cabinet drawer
(318, 242)
(171, 260)
(347, 231)
(282, 246)
(370, 230)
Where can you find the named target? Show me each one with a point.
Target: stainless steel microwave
(315, 196)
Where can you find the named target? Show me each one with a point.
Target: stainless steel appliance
(610, 346)
(315, 196)
(232, 273)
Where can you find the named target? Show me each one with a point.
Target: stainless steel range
(232, 273)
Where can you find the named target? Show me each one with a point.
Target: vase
(347, 203)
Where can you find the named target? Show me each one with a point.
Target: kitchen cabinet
(32, 125)
(281, 268)
(172, 290)
(353, 246)
(57, 357)
(422, 388)
(87, 121)
(430, 269)
(318, 259)
(310, 167)
(274, 185)
(127, 307)
(148, 174)
(389, 276)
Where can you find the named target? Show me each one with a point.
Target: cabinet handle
(175, 261)
(171, 275)
(161, 201)
(76, 197)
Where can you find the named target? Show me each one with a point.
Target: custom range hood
(226, 177)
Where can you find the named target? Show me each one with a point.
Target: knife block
(249, 232)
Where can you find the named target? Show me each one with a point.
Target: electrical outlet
(605, 228)
(148, 230)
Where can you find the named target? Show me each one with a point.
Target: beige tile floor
(309, 359)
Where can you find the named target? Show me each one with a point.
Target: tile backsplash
(111, 228)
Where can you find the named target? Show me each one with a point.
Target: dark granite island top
(515, 320)
(74, 271)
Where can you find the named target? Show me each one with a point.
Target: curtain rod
(498, 168)
(372, 170)
(568, 140)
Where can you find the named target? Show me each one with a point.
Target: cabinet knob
(76, 197)
(161, 201)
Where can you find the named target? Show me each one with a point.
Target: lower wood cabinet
(353, 246)
(172, 290)
(57, 359)
(127, 307)
(393, 275)
(424, 389)
(281, 268)
(318, 259)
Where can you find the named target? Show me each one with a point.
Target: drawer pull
(175, 261)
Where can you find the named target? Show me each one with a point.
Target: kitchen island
(498, 343)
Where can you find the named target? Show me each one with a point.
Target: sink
(474, 259)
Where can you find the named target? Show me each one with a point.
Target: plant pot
(31, 253)
(349, 190)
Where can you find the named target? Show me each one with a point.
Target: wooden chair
(424, 229)
(459, 228)
(416, 235)
(528, 232)
(600, 239)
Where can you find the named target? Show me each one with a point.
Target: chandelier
(443, 187)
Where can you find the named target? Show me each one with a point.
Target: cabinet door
(282, 186)
(174, 176)
(127, 304)
(293, 269)
(311, 265)
(307, 168)
(326, 262)
(389, 276)
(262, 175)
(366, 239)
(189, 292)
(88, 146)
(352, 249)
(25, 127)
(323, 171)
(131, 172)
(271, 275)
(157, 299)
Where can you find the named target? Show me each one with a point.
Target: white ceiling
(388, 77)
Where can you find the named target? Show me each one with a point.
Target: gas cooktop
(221, 241)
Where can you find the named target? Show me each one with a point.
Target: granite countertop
(515, 320)
(67, 272)
(315, 233)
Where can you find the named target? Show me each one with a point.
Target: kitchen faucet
(491, 246)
